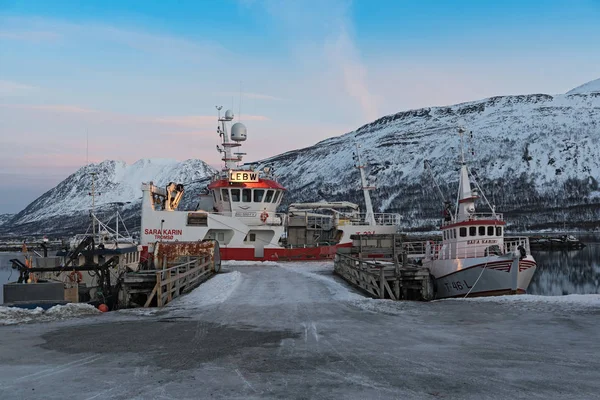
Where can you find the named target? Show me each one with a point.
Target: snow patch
(16, 315)
(580, 300)
(323, 272)
(214, 291)
(590, 87)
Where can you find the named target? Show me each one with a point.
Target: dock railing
(171, 282)
(377, 264)
(369, 276)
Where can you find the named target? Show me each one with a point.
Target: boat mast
(93, 194)
(465, 202)
(369, 216)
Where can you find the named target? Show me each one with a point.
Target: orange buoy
(103, 308)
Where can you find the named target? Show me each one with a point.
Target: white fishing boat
(240, 211)
(474, 257)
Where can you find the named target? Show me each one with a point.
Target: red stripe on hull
(282, 254)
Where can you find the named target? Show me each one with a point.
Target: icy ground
(294, 330)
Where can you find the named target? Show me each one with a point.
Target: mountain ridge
(537, 157)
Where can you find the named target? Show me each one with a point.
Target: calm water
(568, 272)
(558, 273)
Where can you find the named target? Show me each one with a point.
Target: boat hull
(483, 276)
(282, 254)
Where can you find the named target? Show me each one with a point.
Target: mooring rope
(475, 284)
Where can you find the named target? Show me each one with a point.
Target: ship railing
(512, 244)
(324, 222)
(380, 219)
(482, 247)
(478, 217)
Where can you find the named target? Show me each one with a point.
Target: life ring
(75, 276)
(264, 216)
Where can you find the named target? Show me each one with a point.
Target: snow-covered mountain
(65, 208)
(5, 217)
(537, 158)
(586, 88)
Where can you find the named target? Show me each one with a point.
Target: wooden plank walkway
(162, 286)
(378, 265)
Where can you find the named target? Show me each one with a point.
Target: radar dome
(229, 115)
(238, 132)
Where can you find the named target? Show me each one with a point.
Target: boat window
(463, 232)
(269, 196)
(252, 237)
(498, 231)
(258, 195)
(472, 231)
(490, 231)
(225, 194)
(445, 236)
(482, 231)
(235, 194)
(276, 197)
(454, 233)
(214, 195)
(246, 195)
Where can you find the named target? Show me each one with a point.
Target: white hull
(482, 276)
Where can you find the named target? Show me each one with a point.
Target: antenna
(87, 148)
(93, 194)
(240, 108)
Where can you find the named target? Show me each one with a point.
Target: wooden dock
(182, 267)
(378, 265)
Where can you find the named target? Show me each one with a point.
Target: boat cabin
(465, 233)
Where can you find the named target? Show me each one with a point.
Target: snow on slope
(537, 151)
(115, 182)
(590, 87)
(5, 217)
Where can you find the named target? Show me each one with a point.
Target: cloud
(30, 36)
(9, 88)
(195, 120)
(344, 55)
(53, 108)
(168, 46)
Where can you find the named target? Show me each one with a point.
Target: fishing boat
(240, 210)
(87, 270)
(474, 258)
(563, 242)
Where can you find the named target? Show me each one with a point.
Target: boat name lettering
(457, 285)
(243, 176)
(482, 241)
(165, 234)
(245, 214)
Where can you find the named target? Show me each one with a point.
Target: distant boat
(563, 242)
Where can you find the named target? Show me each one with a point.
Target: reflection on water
(568, 272)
